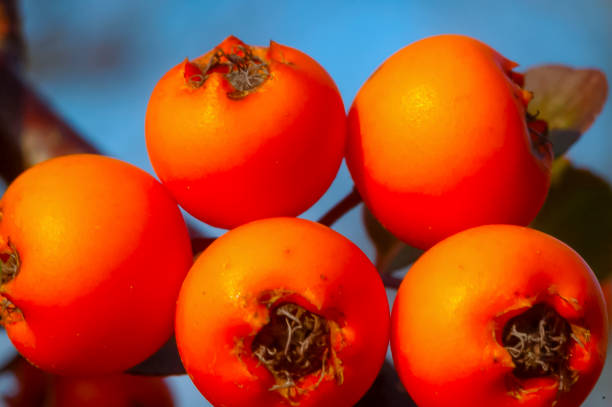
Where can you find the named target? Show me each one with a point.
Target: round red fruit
(501, 316)
(245, 132)
(280, 312)
(440, 141)
(93, 252)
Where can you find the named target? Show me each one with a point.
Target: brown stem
(391, 282)
(342, 208)
(11, 57)
(345, 205)
(12, 47)
(30, 131)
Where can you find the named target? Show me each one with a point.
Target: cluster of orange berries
(97, 267)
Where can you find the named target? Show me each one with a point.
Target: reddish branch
(33, 128)
(30, 131)
(12, 48)
(344, 206)
(391, 282)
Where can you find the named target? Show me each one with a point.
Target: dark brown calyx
(9, 313)
(539, 342)
(538, 128)
(538, 132)
(244, 70)
(295, 344)
(193, 74)
(9, 264)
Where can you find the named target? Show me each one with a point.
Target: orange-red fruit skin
(438, 142)
(454, 302)
(103, 250)
(219, 310)
(273, 152)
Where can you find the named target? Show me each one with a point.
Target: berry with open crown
(499, 315)
(282, 311)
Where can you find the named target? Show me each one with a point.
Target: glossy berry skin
(230, 157)
(226, 300)
(452, 308)
(438, 142)
(103, 250)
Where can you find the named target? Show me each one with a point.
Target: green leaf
(578, 211)
(391, 253)
(568, 99)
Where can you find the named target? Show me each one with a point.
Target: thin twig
(342, 208)
(12, 46)
(30, 131)
(11, 58)
(391, 282)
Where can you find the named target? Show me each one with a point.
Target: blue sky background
(97, 63)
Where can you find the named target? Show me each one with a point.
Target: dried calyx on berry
(538, 128)
(10, 263)
(539, 341)
(538, 131)
(244, 70)
(295, 346)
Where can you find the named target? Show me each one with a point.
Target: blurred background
(96, 64)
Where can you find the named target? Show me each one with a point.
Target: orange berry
(282, 311)
(439, 142)
(93, 251)
(244, 132)
(501, 316)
